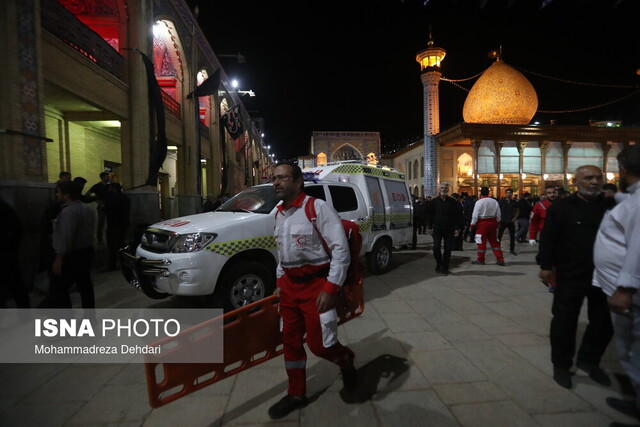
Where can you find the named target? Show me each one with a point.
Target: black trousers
(115, 240)
(440, 235)
(512, 234)
(567, 301)
(76, 269)
(416, 227)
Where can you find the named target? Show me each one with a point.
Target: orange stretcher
(251, 336)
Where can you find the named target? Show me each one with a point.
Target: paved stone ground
(467, 349)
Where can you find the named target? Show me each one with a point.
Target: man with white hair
(566, 250)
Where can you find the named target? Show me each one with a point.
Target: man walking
(484, 224)
(617, 273)
(536, 224)
(309, 280)
(445, 223)
(73, 245)
(508, 215)
(566, 249)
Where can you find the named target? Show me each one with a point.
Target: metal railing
(61, 23)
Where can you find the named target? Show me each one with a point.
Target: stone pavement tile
(530, 388)
(582, 419)
(521, 340)
(485, 296)
(192, 410)
(132, 373)
(490, 321)
(369, 349)
(461, 331)
(447, 366)
(78, 382)
(384, 306)
(17, 380)
(461, 303)
(331, 410)
(41, 414)
(254, 392)
(538, 302)
(504, 413)
(413, 408)
(423, 341)
(483, 391)
(537, 355)
(507, 308)
(434, 311)
(115, 404)
(408, 293)
(597, 394)
(538, 324)
(405, 322)
(367, 324)
(509, 289)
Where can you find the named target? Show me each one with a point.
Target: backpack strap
(310, 211)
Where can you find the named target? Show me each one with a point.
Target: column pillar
(498, 145)
(430, 80)
(544, 145)
(566, 146)
(476, 146)
(521, 146)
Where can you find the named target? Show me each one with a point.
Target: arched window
(415, 169)
(321, 159)
(409, 168)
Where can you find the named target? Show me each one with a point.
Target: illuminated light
(203, 160)
(157, 29)
(172, 148)
(262, 135)
(610, 176)
(609, 124)
(536, 123)
(545, 176)
(234, 83)
(524, 176)
(501, 176)
(569, 176)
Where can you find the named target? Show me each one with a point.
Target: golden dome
(502, 95)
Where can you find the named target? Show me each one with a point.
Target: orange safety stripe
(251, 337)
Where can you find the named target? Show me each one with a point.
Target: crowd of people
(70, 228)
(588, 248)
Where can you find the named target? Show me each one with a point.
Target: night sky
(350, 65)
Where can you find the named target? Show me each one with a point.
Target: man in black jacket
(445, 222)
(566, 246)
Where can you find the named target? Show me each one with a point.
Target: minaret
(429, 60)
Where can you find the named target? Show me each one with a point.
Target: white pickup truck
(230, 253)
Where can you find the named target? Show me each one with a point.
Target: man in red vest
(539, 213)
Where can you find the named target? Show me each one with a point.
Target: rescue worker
(539, 213)
(308, 282)
(484, 224)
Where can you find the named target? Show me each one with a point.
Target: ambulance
(230, 254)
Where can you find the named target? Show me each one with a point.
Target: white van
(230, 253)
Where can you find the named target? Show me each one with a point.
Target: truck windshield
(255, 199)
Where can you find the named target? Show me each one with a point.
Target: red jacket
(538, 214)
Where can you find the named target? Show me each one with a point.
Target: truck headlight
(193, 242)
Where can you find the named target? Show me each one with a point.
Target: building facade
(75, 98)
(335, 146)
(497, 147)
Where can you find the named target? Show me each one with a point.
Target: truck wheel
(379, 259)
(245, 283)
